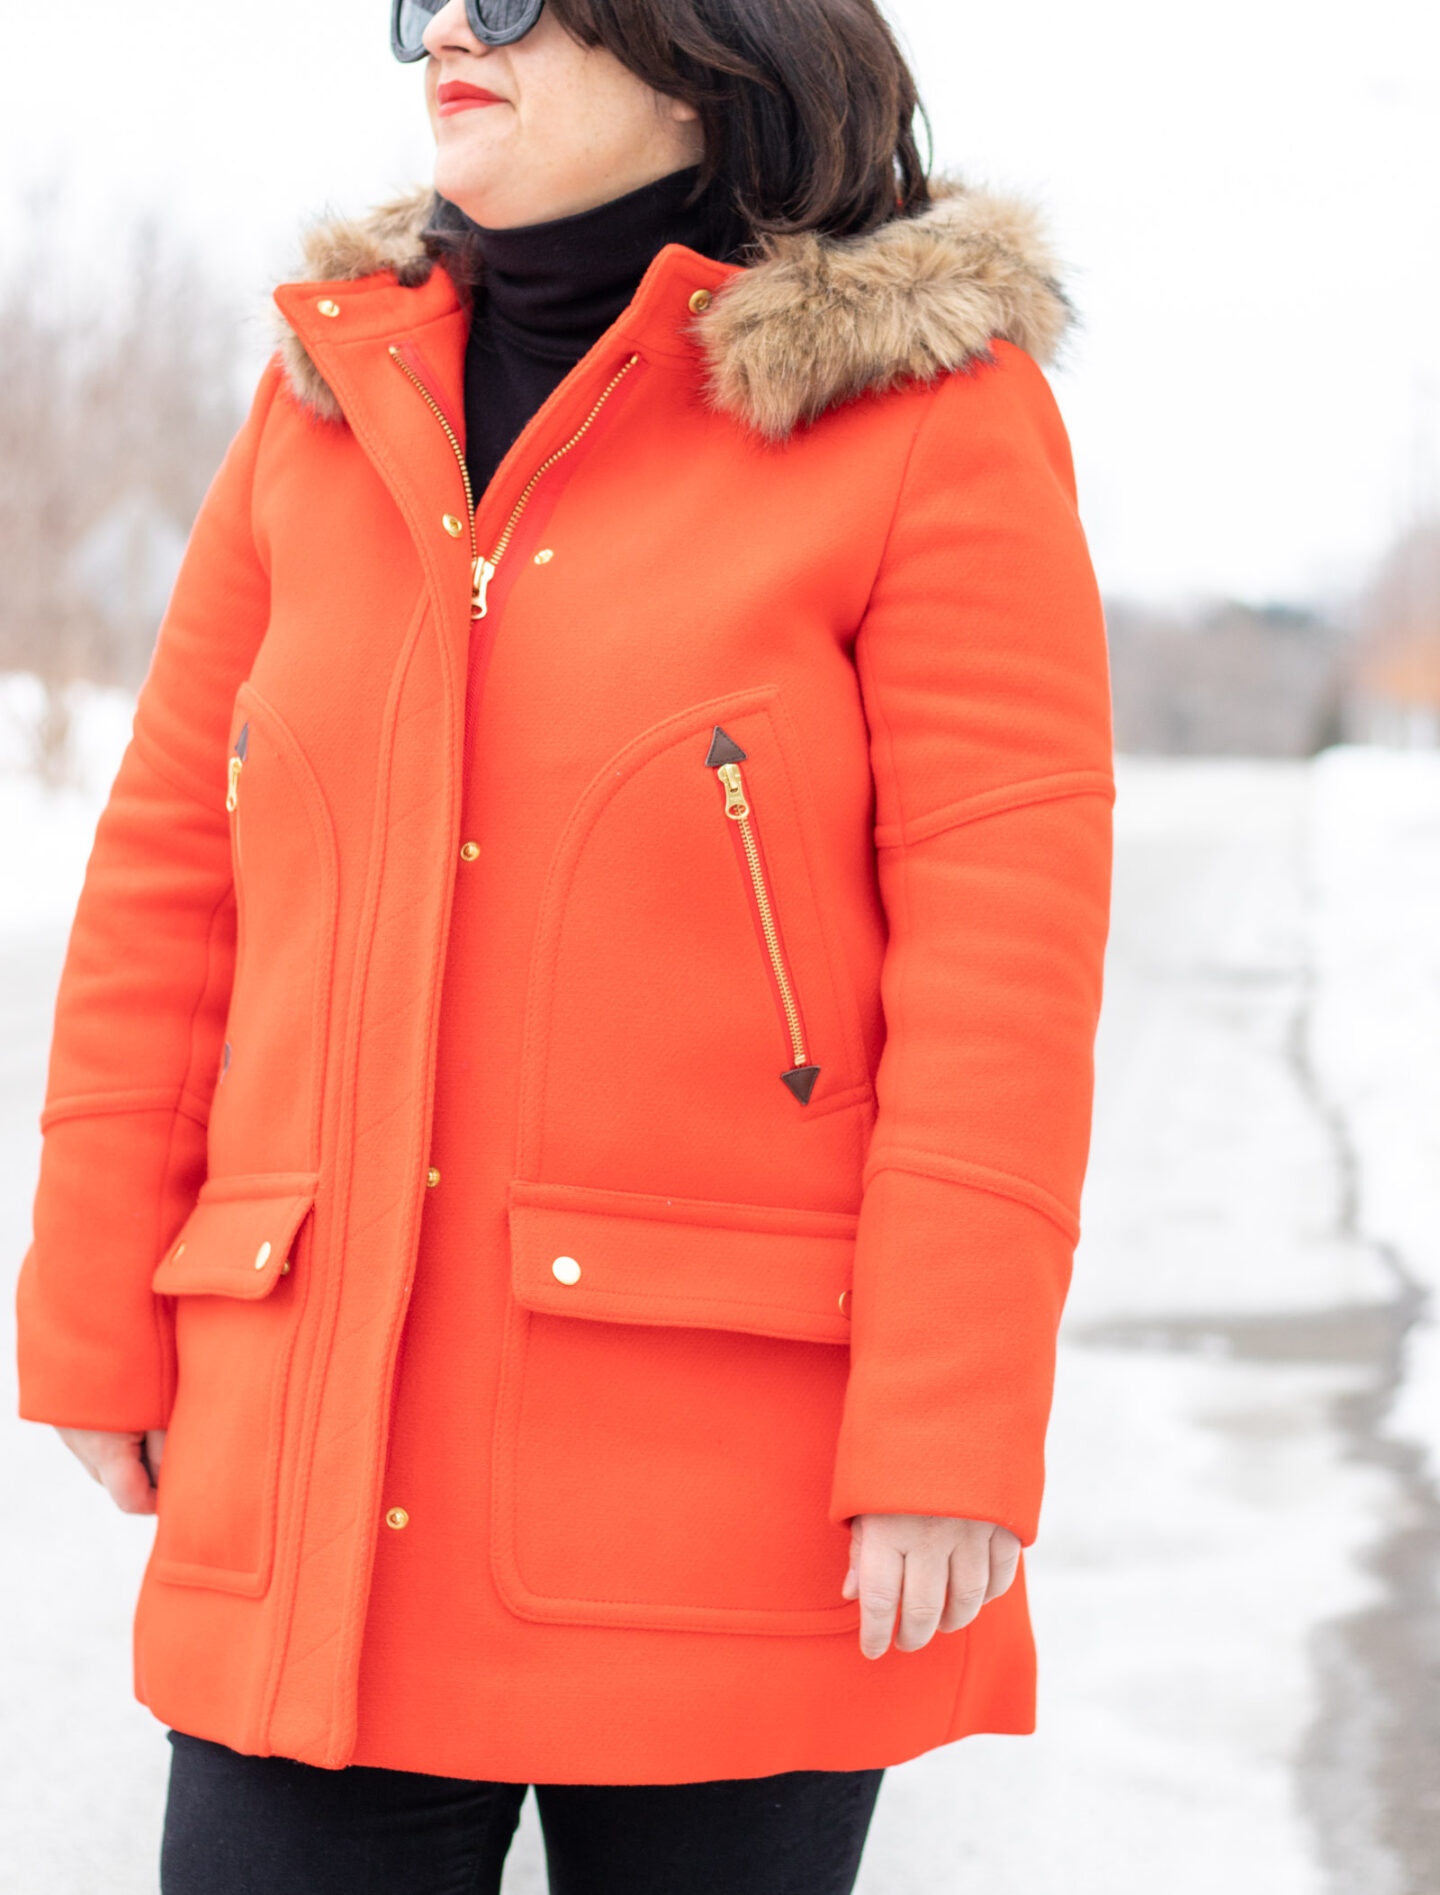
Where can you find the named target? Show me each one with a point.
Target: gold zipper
(737, 808)
(482, 570)
(237, 764)
(485, 571)
(477, 583)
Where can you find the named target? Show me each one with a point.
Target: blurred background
(1235, 1586)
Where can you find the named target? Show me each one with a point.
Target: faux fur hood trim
(815, 321)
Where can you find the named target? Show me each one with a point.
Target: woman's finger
(969, 1578)
(127, 1483)
(1004, 1562)
(154, 1453)
(880, 1575)
(923, 1598)
(851, 1588)
(113, 1460)
(125, 1480)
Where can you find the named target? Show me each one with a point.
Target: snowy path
(1234, 1587)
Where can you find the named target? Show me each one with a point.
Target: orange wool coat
(572, 1072)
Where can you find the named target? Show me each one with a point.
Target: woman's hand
(937, 1573)
(115, 1461)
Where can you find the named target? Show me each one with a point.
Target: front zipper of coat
(482, 570)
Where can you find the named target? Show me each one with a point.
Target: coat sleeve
(982, 661)
(143, 996)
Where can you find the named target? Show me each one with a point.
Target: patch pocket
(670, 1404)
(237, 1274)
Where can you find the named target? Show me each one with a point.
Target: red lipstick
(456, 96)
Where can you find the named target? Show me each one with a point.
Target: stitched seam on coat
(159, 1311)
(618, 772)
(804, 815)
(320, 1360)
(1070, 785)
(408, 1210)
(870, 694)
(667, 1299)
(1004, 1184)
(508, 1431)
(215, 913)
(100, 1105)
(565, 865)
(711, 1214)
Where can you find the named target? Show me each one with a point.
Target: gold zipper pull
(736, 807)
(237, 759)
(483, 573)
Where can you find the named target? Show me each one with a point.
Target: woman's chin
(468, 177)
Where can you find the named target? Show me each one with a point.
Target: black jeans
(237, 1825)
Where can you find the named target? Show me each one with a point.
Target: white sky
(1247, 196)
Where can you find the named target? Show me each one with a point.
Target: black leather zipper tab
(801, 1081)
(723, 749)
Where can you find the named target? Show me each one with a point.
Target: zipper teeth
(772, 936)
(559, 454)
(455, 448)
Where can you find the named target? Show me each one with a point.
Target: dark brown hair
(807, 107)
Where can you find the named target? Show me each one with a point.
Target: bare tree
(114, 417)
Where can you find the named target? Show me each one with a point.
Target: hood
(815, 321)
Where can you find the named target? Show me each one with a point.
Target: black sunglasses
(493, 22)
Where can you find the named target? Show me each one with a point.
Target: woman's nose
(450, 28)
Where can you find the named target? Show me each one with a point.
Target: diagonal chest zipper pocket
(686, 953)
(725, 758)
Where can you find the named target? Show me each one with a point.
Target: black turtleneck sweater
(549, 291)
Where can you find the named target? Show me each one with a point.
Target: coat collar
(815, 322)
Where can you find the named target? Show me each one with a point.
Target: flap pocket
(237, 1240)
(619, 1256)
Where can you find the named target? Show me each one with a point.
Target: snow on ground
(1376, 869)
(1241, 1412)
(45, 830)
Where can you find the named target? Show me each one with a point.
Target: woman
(571, 1080)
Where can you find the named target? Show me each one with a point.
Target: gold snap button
(284, 1266)
(565, 1270)
(845, 1303)
(432, 1177)
(699, 302)
(545, 555)
(262, 1255)
(397, 1518)
(469, 851)
(452, 526)
(327, 308)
